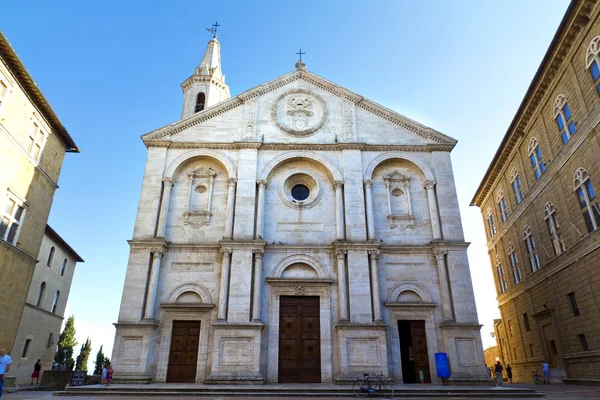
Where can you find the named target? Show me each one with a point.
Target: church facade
(296, 232)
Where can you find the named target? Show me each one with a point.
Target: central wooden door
(299, 340)
(184, 352)
(413, 351)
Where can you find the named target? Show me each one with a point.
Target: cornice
(576, 18)
(40, 309)
(14, 248)
(428, 148)
(361, 246)
(157, 243)
(249, 244)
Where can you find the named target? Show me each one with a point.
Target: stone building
(44, 312)
(541, 212)
(33, 143)
(296, 232)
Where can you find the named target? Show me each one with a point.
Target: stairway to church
(298, 390)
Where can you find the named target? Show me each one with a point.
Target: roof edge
(51, 232)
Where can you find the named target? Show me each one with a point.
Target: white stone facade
(43, 316)
(219, 237)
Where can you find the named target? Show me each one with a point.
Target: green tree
(106, 362)
(66, 343)
(84, 355)
(99, 363)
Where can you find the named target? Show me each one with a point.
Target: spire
(211, 62)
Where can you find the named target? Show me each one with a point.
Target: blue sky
(112, 70)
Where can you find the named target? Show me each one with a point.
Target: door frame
(299, 287)
(183, 312)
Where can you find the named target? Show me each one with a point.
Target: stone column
(256, 295)
(224, 287)
(370, 216)
(260, 208)
(444, 286)
(339, 209)
(164, 207)
(433, 210)
(153, 285)
(342, 284)
(375, 285)
(230, 207)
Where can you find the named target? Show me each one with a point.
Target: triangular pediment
(363, 105)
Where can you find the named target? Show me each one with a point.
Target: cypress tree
(84, 355)
(99, 363)
(66, 343)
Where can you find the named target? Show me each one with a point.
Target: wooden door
(184, 352)
(299, 340)
(551, 346)
(419, 342)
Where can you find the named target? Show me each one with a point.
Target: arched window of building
(200, 102)
(41, 292)
(563, 117)
(64, 266)
(592, 61)
(50, 257)
(534, 261)
(515, 181)
(490, 221)
(585, 194)
(55, 301)
(514, 263)
(535, 154)
(501, 279)
(502, 206)
(553, 228)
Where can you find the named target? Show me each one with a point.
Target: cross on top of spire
(213, 30)
(300, 53)
(300, 64)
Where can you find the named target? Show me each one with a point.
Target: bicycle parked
(363, 387)
(537, 378)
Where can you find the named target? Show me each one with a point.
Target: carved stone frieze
(349, 120)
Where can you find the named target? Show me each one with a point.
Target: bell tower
(206, 87)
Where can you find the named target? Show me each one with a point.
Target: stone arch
(399, 155)
(191, 287)
(300, 259)
(222, 158)
(412, 287)
(335, 172)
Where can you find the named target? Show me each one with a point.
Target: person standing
(509, 373)
(5, 362)
(498, 369)
(109, 374)
(36, 372)
(546, 371)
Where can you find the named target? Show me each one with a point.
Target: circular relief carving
(299, 112)
(299, 190)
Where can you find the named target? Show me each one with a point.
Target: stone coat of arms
(299, 112)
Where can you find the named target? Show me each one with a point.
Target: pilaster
(245, 202)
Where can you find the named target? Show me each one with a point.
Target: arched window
(200, 102)
(592, 61)
(64, 266)
(50, 257)
(585, 193)
(515, 181)
(564, 120)
(490, 221)
(553, 228)
(501, 279)
(55, 301)
(41, 292)
(535, 154)
(502, 206)
(514, 263)
(534, 261)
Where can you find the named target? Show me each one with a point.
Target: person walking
(36, 372)
(5, 363)
(509, 373)
(546, 371)
(498, 369)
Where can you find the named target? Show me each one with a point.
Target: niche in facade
(200, 190)
(397, 188)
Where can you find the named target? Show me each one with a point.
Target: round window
(397, 192)
(300, 192)
(201, 189)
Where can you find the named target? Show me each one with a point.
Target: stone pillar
(444, 286)
(153, 285)
(224, 287)
(433, 210)
(339, 211)
(256, 295)
(260, 208)
(370, 215)
(375, 285)
(164, 207)
(230, 207)
(342, 284)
